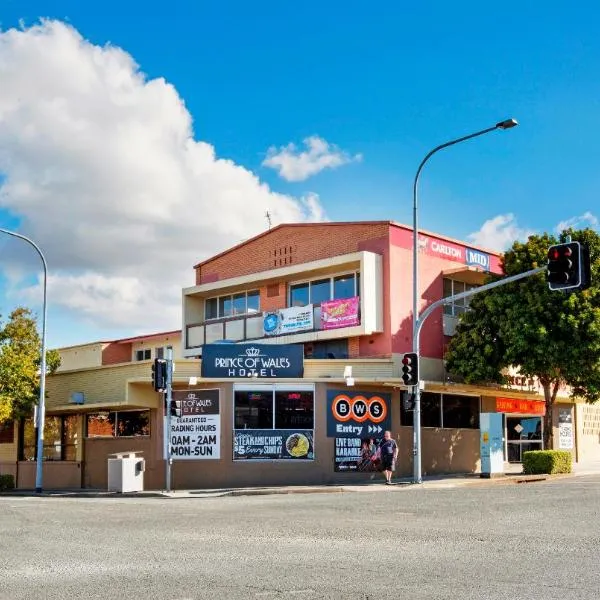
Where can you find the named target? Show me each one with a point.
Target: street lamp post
(506, 124)
(41, 404)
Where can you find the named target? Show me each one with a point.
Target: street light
(41, 405)
(506, 124)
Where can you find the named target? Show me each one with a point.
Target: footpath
(511, 476)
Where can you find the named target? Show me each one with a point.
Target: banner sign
(196, 435)
(565, 429)
(340, 313)
(273, 444)
(357, 414)
(289, 320)
(252, 360)
(356, 455)
(525, 407)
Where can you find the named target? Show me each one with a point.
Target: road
(494, 541)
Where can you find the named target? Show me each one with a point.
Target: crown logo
(252, 352)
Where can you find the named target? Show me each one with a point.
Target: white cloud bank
(587, 219)
(295, 165)
(101, 166)
(499, 233)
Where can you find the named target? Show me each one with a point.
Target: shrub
(7, 482)
(548, 462)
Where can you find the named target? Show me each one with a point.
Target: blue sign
(271, 322)
(476, 258)
(252, 360)
(358, 414)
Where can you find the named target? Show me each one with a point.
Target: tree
(554, 336)
(20, 354)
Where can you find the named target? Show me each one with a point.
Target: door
(522, 434)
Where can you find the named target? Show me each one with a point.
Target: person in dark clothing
(389, 453)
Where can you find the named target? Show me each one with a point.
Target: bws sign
(357, 414)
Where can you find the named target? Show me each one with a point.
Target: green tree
(551, 335)
(20, 354)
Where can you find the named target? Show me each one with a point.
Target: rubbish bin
(126, 472)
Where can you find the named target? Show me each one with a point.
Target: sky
(139, 138)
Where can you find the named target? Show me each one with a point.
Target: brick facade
(114, 353)
(289, 245)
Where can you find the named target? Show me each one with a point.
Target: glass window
(299, 294)
(406, 416)
(159, 352)
(320, 291)
(7, 432)
(225, 306)
(431, 409)
(101, 424)
(343, 286)
(53, 438)
(294, 410)
(211, 308)
(133, 423)
(253, 410)
(461, 412)
(145, 354)
(253, 302)
(239, 304)
(69, 437)
(28, 450)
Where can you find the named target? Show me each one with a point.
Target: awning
(471, 275)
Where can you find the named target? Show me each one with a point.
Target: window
(242, 303)
(7, 432)
(131, 423)
(321, 290)
(60, 438)
(452, 288)
(444, 410)
(274, 408)
(327, 349)
(159, 352)
(145, 354)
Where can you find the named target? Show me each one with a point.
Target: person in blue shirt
(388, 451)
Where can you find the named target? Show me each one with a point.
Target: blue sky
(386, 81)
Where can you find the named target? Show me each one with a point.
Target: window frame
(145, 353)
(230, 298)
(404, 422)
(64, 446)
(331, 278)
(455, 309)
(115, 426)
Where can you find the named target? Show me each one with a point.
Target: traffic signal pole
(417, 476)
(169, 459)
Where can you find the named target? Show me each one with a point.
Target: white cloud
(103, 171)
(587, 219)
(499, 233)
(294, 165)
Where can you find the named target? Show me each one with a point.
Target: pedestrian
(388, 450)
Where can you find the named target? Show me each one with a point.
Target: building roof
(342, 223)
(137, 338)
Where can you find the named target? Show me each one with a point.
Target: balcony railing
(240, 328)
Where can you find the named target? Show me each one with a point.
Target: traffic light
(159, 374)
(410, 368)
(568, 266)
(175, 407)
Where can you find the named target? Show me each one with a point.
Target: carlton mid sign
(252, 360)
(357, 414)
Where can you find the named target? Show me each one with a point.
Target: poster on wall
(358, 414)
(196, 434)
(340, 313)
(565, 429)
(273, 444)
(355, 455)
(288, 320)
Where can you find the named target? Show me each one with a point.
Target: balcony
(251, 328)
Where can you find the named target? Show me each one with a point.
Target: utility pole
(169, 459)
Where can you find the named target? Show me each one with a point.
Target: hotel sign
(252, 360)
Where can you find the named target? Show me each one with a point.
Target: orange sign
(359, 408)
(526, 407)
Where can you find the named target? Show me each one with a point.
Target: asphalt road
(529, 541)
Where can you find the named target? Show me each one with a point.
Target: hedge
(548, 462)
(7, 482)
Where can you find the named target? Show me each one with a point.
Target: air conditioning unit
(77, 398)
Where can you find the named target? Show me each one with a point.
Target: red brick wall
(273, 296)
(353, 347)
(290, 245)
(116, 353)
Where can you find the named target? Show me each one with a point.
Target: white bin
(126, 472)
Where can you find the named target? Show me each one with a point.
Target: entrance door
(522, 434)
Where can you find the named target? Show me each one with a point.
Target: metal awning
(466, 274)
